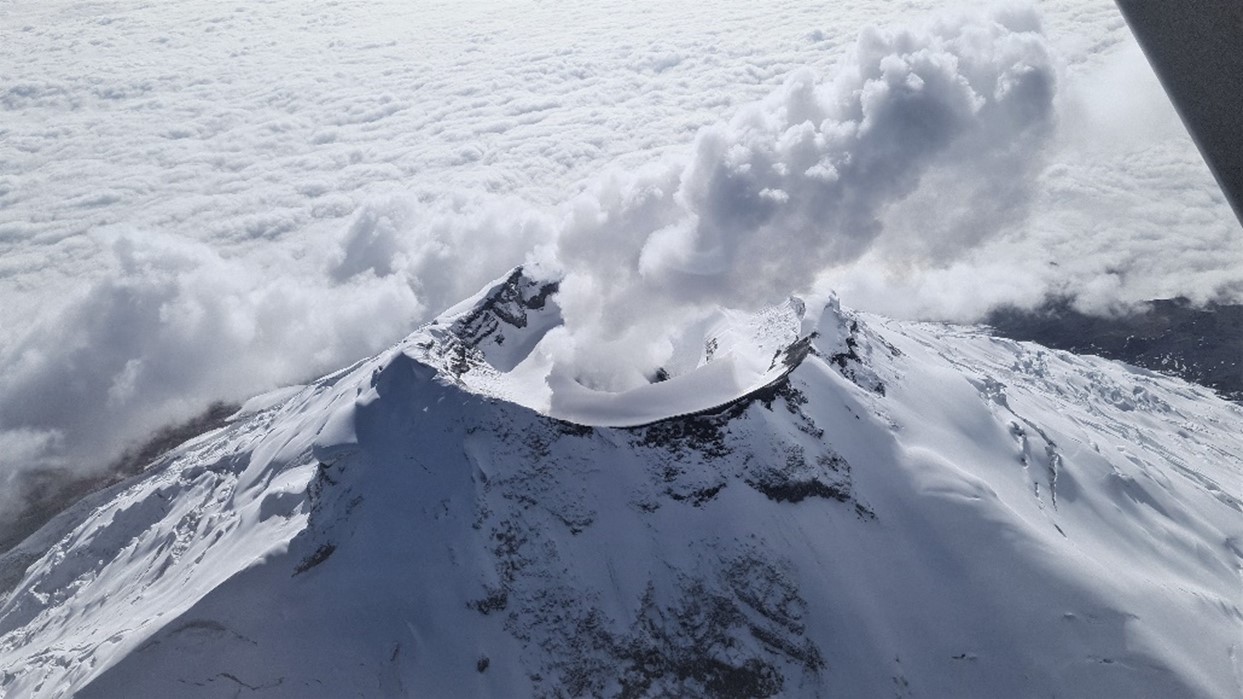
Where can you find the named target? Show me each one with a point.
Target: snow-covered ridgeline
(880, 507)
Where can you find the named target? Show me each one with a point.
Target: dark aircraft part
(1196, 49)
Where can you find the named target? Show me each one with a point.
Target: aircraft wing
(1196, 49)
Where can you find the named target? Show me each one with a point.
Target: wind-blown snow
(920, 508)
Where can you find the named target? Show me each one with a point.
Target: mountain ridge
(911, 508)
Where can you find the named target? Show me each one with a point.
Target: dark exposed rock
(495, 601)
(716, 641)
(1202, 344)
(851, 364)
(798, 480)
(797, 491)
(508, 304)
(321, 554)
(699, 496)
(704, 433)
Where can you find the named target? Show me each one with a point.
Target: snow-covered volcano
(825, 504)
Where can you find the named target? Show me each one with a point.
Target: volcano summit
(821, 502)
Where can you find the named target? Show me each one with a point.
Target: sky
(200, 201)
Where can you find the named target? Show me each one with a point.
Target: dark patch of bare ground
(48, 492)
(1201, 344)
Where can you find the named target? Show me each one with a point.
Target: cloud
(443, 248)
(928, 172)
(757, 209)
(170, 327)
(803, 181)
(1117, 208)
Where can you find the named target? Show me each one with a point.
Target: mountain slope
(874, 508)
(1197, 343)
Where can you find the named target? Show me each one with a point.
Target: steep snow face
(879, 507)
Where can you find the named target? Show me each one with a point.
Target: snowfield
(881, 507)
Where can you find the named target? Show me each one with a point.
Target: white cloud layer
(169, 327)
(198, 203)
(800, 182)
